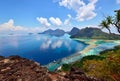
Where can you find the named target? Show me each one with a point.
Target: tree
(105, 24)
(112, 21)
(117, 20)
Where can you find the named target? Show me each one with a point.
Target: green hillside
(94, 33)
(104, 66)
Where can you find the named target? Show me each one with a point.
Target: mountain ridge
(57, 32)
(94, 33)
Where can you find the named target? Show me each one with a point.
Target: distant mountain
(94, 33)
(56, 32)
(74, 31)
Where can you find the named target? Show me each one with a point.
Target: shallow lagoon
(94, 48)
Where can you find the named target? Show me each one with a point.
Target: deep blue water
(41, 48)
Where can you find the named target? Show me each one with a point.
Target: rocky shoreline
(15, 68)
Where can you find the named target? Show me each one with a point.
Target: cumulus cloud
(71, 4)
(9, 27)
(43, 21)
(118, 1)
(66, 22)
(83, 11)
(55, 21)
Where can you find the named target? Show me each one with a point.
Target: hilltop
(93, 33)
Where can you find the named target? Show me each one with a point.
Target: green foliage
(115, 21)
(66, 67)
(80, 63)
(94, 33)
(105, 66)
(106, 23)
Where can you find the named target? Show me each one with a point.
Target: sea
(41, 48)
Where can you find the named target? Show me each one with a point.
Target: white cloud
(69, 16)
(86, 12)
(9, 23)
(83, 11)
(71, 4)
(118, 1)
(55, 21)
(9, 27)
(43, 21)
(66, 22)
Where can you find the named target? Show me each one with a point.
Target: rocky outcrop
(77, 74)
(15, 68)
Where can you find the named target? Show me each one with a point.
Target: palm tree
(105, 24)
(117, 20)
(109, 20)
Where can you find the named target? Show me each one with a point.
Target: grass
(105, 66)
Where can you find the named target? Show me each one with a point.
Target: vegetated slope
(105, 66)
(94, 33)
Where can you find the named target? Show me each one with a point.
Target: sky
(18, 16)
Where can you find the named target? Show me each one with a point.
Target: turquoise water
(77, 56)
(101, 47)
(41, 48)
(49, 51)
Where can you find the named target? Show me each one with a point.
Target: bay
(41, 48)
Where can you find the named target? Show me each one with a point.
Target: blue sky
(39, 15)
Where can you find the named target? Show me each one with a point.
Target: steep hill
(94, 33)
(74, 31)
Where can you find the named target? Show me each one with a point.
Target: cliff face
(15, 68)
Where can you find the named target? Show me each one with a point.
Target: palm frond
(109, 19)
(104, 24)
(117, 16)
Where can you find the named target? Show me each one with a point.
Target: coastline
(92, 43)
(95, 46)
